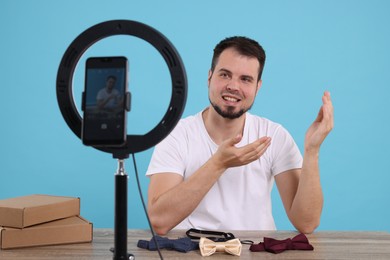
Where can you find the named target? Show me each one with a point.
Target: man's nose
(233, 84)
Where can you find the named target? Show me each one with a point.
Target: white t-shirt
(104, 94)
(240, 199)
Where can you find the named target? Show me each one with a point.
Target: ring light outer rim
(64, 84)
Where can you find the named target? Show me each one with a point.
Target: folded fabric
(181, 244)
(208, 247)
(299, 242)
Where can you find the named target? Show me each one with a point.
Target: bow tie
(181, 244)
(208, 247)
(299, 242)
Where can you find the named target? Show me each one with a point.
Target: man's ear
(258, 86)
(209, 77)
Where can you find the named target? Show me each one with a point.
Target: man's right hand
(228, 155)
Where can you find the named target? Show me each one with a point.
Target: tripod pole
(120, 243)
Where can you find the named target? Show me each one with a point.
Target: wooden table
(327, 245)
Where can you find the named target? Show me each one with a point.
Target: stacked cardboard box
(38, 220)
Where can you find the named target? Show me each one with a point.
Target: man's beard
(229, 113)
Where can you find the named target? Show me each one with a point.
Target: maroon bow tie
(299, 242)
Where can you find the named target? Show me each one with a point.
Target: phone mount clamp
(134, 143)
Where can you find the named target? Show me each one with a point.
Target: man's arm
(171, 199)
(300, 189)
(102, 102)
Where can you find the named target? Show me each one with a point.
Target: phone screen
(104, 121)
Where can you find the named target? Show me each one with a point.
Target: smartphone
(104, 101)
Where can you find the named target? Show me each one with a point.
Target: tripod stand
(120, 238)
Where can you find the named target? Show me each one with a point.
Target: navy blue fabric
(183, 245)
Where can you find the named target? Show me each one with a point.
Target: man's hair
(244, 46)
(111, 77)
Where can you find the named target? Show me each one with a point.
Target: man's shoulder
(102, 92)
(188, 128)
(190, 120)
(264, 126)
(186, 124)
(259, 120)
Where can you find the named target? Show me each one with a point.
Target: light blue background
(311, 46)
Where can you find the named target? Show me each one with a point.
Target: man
(215, 171)
(108, 98)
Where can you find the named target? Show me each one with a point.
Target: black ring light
(134, 143)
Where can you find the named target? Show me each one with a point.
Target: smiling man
(216, 169)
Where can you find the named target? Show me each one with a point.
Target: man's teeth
(230, 99)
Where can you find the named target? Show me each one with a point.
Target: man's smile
(231, 98)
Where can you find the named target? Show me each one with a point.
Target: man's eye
(224, 75)
(247, 79)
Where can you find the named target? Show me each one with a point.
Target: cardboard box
(63, 231)
(30, 210)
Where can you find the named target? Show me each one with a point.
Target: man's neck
(220, 128)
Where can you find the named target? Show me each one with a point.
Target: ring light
(134, 143)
